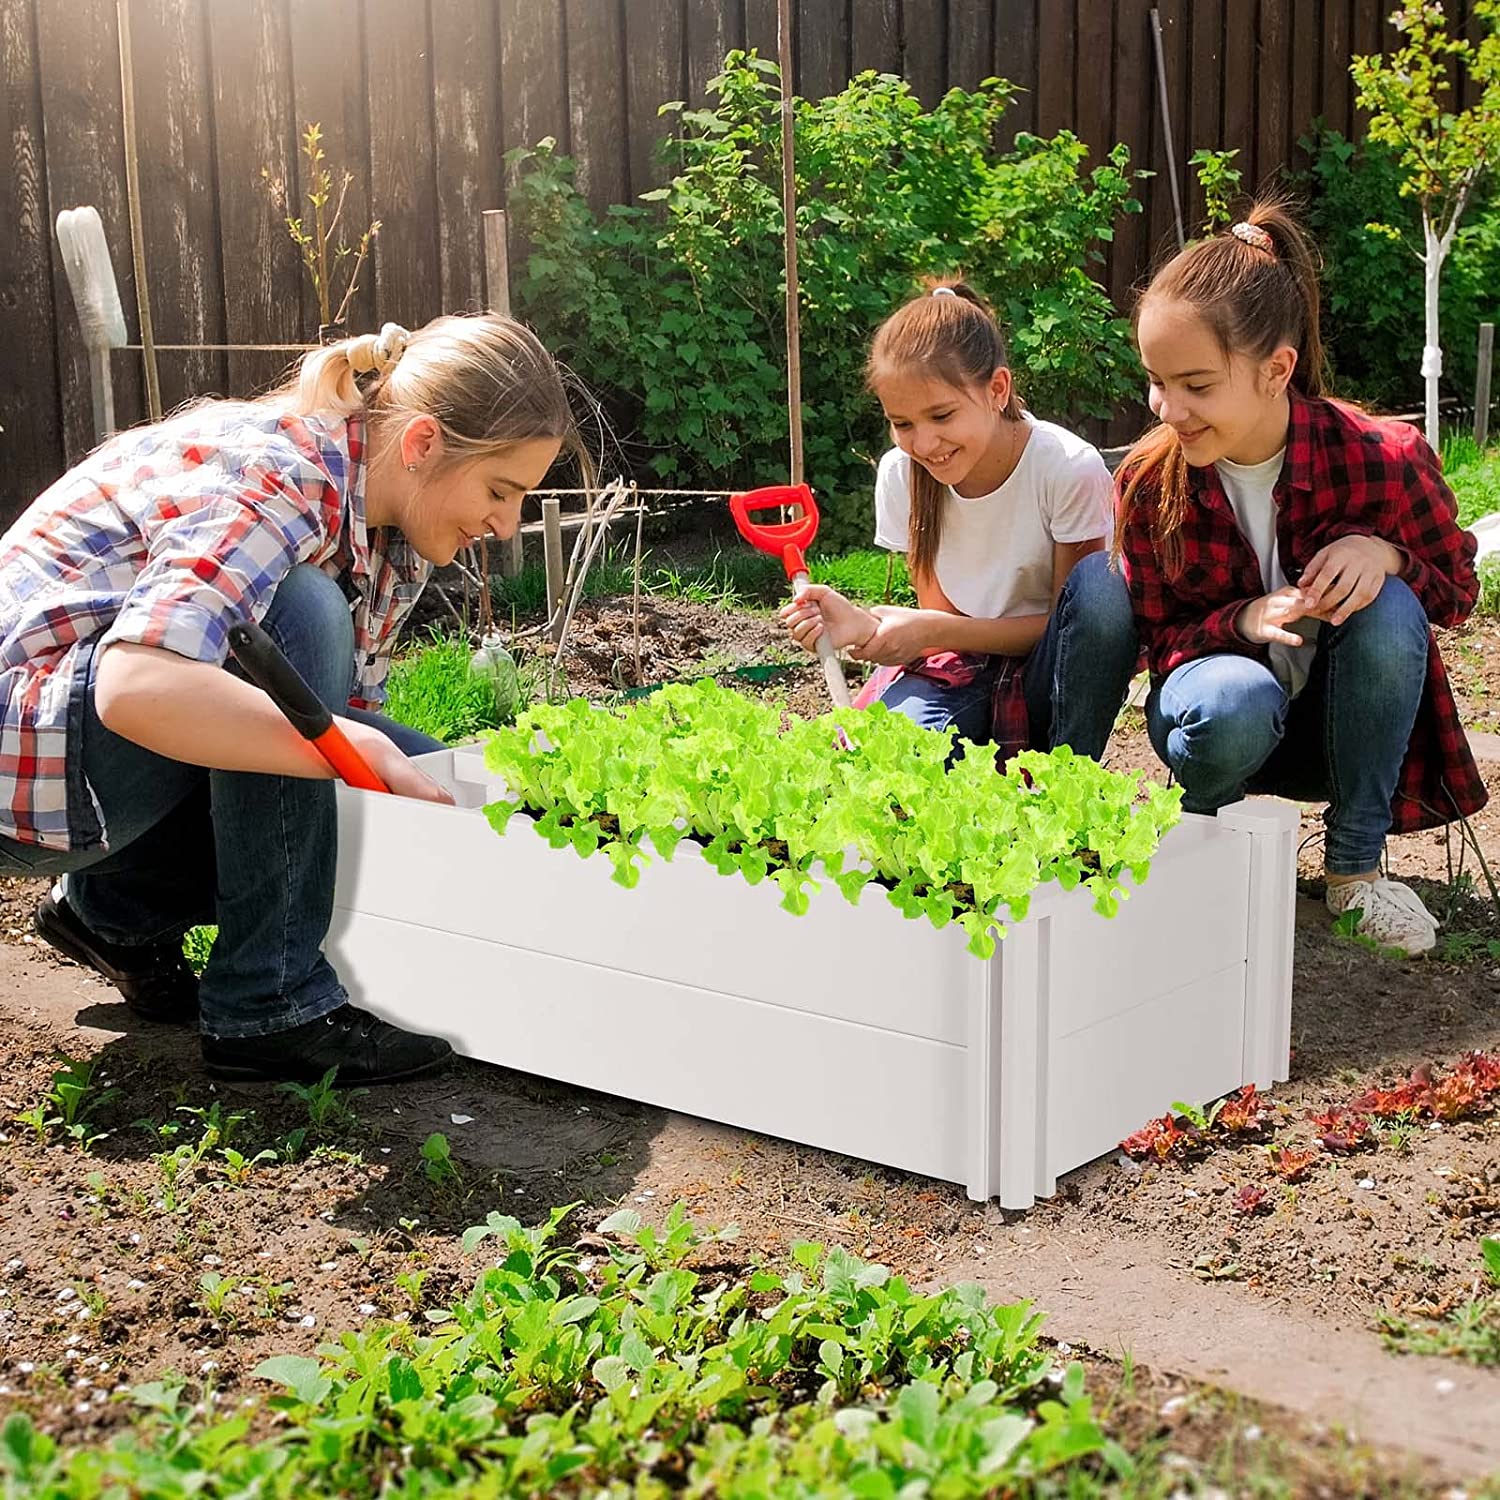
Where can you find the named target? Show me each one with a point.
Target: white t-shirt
(1251, 489)
(994, 557)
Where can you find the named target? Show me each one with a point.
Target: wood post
(497, 297)
(552, 550)
(1482, 383)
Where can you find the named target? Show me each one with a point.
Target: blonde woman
(163, 787)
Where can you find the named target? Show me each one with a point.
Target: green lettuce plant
(853, 797)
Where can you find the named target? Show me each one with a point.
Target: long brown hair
(1255, 298)
(955, 339)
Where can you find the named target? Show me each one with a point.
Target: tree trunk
(1432, 353)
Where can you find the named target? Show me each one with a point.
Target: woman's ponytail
(327, 379)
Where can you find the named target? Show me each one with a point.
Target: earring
(411, 468)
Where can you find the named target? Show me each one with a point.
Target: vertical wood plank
(1367, 23)
(1096, 44)
(924, 47)
(971, 42)
(714, 29)
(328, 89)
(822, 42)
(254, 132)
(403, 177)
(1174, 53)
(760, 27)
(653, 75)
(1205, 103)
(1273, 84)
(29, 406)
(1306, 68)
(1016, 60)
(466, 143)
(875, 35)
(1056, 39)
(178, 210)
(1334, 101)
(596, 101)
(1133, 117)
(1239, 86)
(78, 52)
(533, 83)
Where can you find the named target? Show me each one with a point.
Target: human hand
(1264, 620)
(900, 636)
(819, 609)
(389, 762)
(1346, 575)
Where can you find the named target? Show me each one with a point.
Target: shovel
(786, 539)
(262, 662)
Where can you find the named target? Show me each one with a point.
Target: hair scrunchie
(377, 352)
(1253, 234)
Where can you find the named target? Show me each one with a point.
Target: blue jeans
(1075, 679)
(255, 854)
(1224, 725)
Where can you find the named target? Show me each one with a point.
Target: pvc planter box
(852, 1028)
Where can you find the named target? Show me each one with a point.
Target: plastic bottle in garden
(492, 660)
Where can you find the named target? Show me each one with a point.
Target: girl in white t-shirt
(1018, 636)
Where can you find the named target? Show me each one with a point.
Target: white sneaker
(1391, 913)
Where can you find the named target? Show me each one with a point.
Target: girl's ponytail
(1256, 288)
(948, 332)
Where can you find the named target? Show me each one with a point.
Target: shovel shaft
(833, 672)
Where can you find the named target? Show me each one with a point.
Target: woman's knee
(1096, 603)
(1390, 634)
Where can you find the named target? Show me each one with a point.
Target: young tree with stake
(1444, 154)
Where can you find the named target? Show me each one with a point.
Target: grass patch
(738, 579)
(1473, 475)
(434, 689)
(1469, 1331)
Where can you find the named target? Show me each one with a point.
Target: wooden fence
(421, 98)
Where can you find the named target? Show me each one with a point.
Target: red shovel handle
(783, 539)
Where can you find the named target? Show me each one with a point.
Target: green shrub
(1372, 280)
(676, 312)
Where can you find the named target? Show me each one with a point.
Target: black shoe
(156, 981)
(362, 1047)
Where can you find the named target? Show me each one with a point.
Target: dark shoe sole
(227, 1072)
(56, 935)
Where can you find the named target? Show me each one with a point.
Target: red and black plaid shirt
(1346, 474)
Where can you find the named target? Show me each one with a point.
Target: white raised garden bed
(851, 1028)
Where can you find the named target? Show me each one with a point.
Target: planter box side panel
(869, 1093)
(446, 868)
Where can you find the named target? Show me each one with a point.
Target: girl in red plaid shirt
(1286, 556)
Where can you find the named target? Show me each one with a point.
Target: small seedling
(216, 1290)
(238, 1167)
(437, 1160)
(328, 1110)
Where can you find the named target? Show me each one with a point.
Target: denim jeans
(1224, 725)
(255, 854)
(1075, 678)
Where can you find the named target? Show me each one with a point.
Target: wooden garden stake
(133, 194)
(789, 214)
(552, 551)
(497, 297)
(1482, 384)
(635, 607)
(1166, 124)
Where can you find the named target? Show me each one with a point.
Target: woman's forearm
(1014, 636)
(197, 713)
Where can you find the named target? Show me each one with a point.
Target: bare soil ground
(1256, 1331)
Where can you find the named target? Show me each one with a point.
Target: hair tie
(377, 352)
(943, 291)
(1253, 234)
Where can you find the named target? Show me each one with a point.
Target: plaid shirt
(1010, 719)
(166, 536)
(1345, 474)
